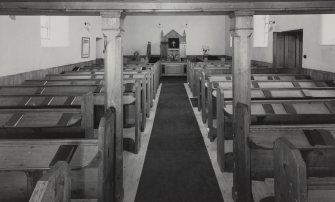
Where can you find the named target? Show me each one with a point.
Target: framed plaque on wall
(85, 47)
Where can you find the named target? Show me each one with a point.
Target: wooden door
(287, 49)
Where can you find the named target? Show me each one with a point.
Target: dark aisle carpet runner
(177, 167)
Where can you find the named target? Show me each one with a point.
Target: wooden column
(241, 30)
(111, 28)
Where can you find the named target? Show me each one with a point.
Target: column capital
(112, 20)
(241, 23)
(242, 13)
(111, 14)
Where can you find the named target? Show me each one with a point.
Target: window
(45, 27)
(231, 41)
(261, 30)
(328, 29)
(54, 31)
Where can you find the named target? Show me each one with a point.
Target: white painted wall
(20, 44)
(202, 30)
(21, 51)
(320, 57)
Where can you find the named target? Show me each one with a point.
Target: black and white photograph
(167, 100)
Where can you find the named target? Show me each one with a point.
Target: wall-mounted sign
(85, 47)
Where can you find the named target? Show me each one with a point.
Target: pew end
(290, 166)
(298, 178)
(132, 143)
(55, 185)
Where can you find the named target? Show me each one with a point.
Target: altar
(173, 68)
(173, 54)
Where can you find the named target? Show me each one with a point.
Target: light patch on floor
(225, 180)
(133, 163)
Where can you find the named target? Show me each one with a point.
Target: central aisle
(177, 167)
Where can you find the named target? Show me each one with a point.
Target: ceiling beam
(146, 8)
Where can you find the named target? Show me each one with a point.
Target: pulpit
(173, 46)
(173, 54)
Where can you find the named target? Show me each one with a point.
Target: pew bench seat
(270, 94)
(261, 141)
(39, 118)
(28, 155)
(285, 93)
(280, 112)
(39, 100)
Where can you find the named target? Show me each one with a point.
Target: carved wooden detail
(173, 46)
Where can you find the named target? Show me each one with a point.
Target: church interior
(167, 101)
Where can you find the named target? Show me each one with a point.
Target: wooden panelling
(17, 79)
(318, 74)
(260, 64)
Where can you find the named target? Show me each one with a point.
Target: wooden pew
(129, 99)
(125, 66)
(51, 82)
(253, 148)
(129, 87)
(149, 78)
(101, 76)
(211, 83)
(73, 114)
(207, 100)
(148, 74)
(74, 76)
(35, 156)
(195, 72)
(215, 69)
(210, 69)
(295, 172)
(274, 113)
(268, 94)
(154, 68)
(55, 185)
(154, 74)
